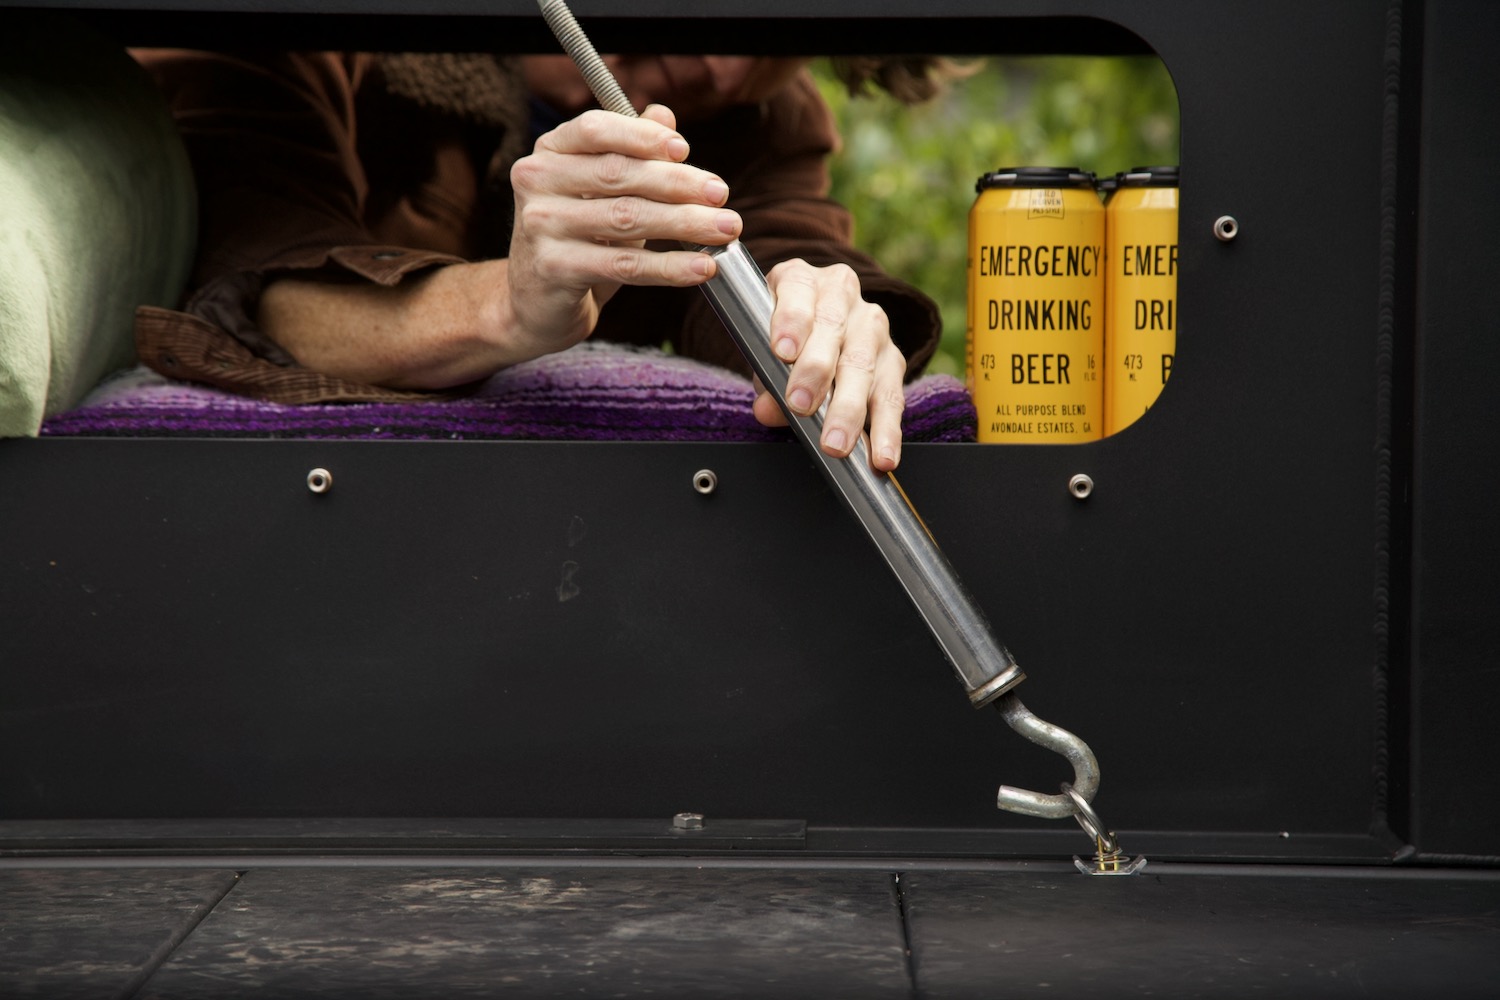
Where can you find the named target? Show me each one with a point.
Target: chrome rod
(742, 299)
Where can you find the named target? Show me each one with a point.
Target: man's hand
(594, 189)
(831, 336)
(587, 198)
(601, 184)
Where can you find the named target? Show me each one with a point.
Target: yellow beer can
(1140, 290)
(1035, 338)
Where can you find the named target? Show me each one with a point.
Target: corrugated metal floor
(712, 927)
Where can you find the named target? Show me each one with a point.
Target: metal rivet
(1081, 486)
(705, 481)
(1226, 228)
(320, 480)
(687, 821)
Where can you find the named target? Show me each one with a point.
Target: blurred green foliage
(907, 173)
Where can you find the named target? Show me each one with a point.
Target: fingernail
(800, 399)
(887, 457)
(836, 440)
(715, 192)
(786, 349)
(703, 264)
(677, 149)
(728, 223)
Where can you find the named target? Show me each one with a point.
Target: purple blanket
(597, 392)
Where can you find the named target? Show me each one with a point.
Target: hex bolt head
(687, 821)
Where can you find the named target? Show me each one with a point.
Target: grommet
(320, 480)
(705, 481)
(1226, 228)
(1081, 486)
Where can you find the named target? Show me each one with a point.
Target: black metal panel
(521, 30)
(357, 840)
(363, 837)
(1456, 696)
(220, 641)
(205, 638)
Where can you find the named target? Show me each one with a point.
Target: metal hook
(1075, 797)
(1085, 783)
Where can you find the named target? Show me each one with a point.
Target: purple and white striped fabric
(595, 392)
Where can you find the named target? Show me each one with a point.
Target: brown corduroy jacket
(360, 167)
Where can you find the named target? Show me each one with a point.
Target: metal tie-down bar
(740, 296)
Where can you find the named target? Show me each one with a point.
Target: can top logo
(1045, 203)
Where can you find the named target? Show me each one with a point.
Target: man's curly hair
(909, 79)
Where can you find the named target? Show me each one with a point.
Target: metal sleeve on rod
(743, 301)
(739, 294)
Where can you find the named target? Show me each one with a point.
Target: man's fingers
(863, 372)
(840, 349)
(661, 114)
(795, 286)
(625, 219)
(590, 265)
(598, 131)
(604, 175)
(812, 318)
(845, 416)
(887, 402)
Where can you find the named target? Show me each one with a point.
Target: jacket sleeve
(774, 158)
(281, 189)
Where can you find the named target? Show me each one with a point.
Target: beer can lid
(1036, 177)
(1147, 177)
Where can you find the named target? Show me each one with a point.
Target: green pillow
(97, 212)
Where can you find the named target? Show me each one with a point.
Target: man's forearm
(434, 330)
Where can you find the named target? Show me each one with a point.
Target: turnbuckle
(742, 299)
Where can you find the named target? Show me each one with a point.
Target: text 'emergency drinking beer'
(1035, 341)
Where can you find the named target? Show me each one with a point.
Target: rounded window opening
(1035, 200)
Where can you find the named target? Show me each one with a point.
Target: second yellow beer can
(1035, 340)
(1140, 292)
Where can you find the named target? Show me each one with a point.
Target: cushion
(595, 391)
(97, 212)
